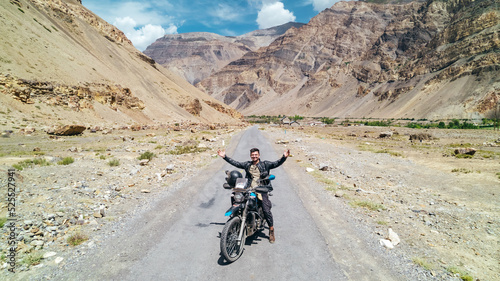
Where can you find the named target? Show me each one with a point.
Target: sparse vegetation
(114, 163)
(33, 259)
(461, 170)
(66, 161)
(462, 274)
(147, 155)
(393, 153)
(30, 162)
(422, 263)
(367, 204)
(187, 149)
(77, 239)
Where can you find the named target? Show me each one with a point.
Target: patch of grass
(178, 150)
(114, 163)
(66, 161)
(498, 175)
(159, 147)
(382, 223)
(30, 162)
(2, 222)
(152, 141)
(462, 274)
(461, 170)
(393, 153)
(102, 157)
(422, 263)
(33, 259)
(464, 156)
(147, 155)
(460, 145)
(77, 239)
(367, 204)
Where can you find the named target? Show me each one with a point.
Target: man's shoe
(271, 236)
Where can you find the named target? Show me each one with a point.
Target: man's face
(254, 156)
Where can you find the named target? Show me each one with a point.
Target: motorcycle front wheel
(229, 246)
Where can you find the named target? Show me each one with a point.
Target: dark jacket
(264, 168)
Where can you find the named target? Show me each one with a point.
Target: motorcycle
(246, 216)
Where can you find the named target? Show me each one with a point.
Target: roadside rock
(68, 130)
(468, 151)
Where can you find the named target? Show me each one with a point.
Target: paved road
(190, 249)
(178, 237)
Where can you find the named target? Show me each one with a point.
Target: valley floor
(445, 209)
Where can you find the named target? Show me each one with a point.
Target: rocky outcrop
(70, 96)
(421, 59)
(197, 55)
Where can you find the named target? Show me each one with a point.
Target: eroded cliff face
(197, 55)
(434, 59)
(57, 55)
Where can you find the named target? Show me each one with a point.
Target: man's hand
(286, 153)
(222, 153)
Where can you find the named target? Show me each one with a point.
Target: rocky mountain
(60, 63)
(197, 55)
(432, 59)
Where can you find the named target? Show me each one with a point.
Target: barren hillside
(61, 63)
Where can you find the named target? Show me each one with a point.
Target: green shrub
(422, 263)
(66, 161)
(77, 239)
(30, 162)
(147, 155)
(114, 162)
(33, 259)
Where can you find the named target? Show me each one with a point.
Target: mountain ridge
(196, 55)
(429, 59)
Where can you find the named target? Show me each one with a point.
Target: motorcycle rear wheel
(229, 240)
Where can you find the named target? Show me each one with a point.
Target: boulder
(68, 130)
(385, 134)
(393, 237)
(468, 151)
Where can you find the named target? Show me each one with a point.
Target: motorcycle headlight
(238, 197)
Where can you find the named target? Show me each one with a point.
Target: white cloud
(226, 13)
(273, 14)
(320, 5)
(143, 36)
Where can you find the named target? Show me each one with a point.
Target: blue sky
(145, 21)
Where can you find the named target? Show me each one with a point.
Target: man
(256, 170)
